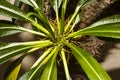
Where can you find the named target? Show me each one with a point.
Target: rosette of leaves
(56, 39)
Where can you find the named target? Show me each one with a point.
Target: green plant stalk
(70, 21)
(65, 65)
(44, 20)
(54, 51)
(53, 61)
(58, 22)
(39, 26)
(41, 57)
(49, 27)
(63, 15)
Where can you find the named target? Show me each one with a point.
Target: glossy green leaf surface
(82, 3)
(108, 27)
(56, 4)
(50, 70)
(65, 65)
(9, 29)
(10, 10)
(91, 67)
(8, 51)
(13, 69)
(40, 4)
(33, 74)
(27, 2)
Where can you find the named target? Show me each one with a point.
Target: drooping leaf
(108, 27)
(9, 29)
(10, 10)
(10, 50)
(14, 68)
(91, 67)
(33, 74)
(50, 70)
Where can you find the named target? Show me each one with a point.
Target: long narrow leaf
(33, 74)
(13, 69)
(91, 67)
(42, 57)
(8, 51)
(108, 27)
(80, 4)
(63, 11)
(65, 65)
(50, 71)
(56, 4)
(10, 10)
(27, 2)
(9, 29)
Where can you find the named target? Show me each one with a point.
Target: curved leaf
(8, 51)
(9, 29)
(91, 67)
(13, 69)
(108, 27)
(10, 10)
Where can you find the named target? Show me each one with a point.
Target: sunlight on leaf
(91, 67)
(108, 27)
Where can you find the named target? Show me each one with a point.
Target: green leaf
(80, 4)
(65, 65)
(33, 74)
(63, 11)
(27, 2)
(40, 4)
(10, 10)
(9, 29)
(50, 70)
(10, 50)
(42, 57)
(56, 4)
(13, 69)
(91, 67)
(108, 27)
